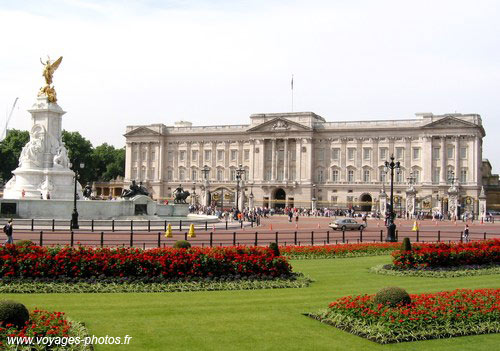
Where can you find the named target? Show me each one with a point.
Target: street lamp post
(194, 193)
(313, 199)
(206, 170)
(239, 172)
(391, 226)
(74, 214)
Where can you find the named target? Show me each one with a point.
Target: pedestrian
(8, 229)
(466, 233)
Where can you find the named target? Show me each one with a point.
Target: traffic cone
(191, 232)
(415, 226)
(270, 227)
(168, 232)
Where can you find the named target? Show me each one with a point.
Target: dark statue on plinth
(180, 195)
(87, 191)
(134, 190)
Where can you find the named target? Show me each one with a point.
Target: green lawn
(254, 320)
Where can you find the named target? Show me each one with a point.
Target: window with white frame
(450, 152)
(233, 174)
(246, 155)
(335, 175)
(416, 175)
(182, 155)
(170, 156)
(416, 153)
(208, 155)
(351, 154)
(382, 174)
(220, 174)
(194, 175)
(383, 153)
(435, 153)
(436, 174)
(335, 154)
(220, 155)
(350, 176)
(234, 155)
(366, 176)
(463, 175)
(170, 175)
(399, 176)
(267, 174)
(367, 154)
(194, 155)
(320, 176)
(400, 153)
(463, 153)
(182, 174)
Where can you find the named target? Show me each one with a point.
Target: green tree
(10, 150)
(108, 162)
(80, 150)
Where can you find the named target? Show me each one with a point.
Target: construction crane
(4, 133)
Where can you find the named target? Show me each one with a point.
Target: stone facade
(300, 159)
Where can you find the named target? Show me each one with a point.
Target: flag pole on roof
(292, 92)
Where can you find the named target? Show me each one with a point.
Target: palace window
(246, 155)
(170, 156)
(449, 175)
(220, 155)
(399, 153)
(416, 175)
(134, 173)
(399, 176)
(320, 176)
(383, 153)
(135, 155)
(351, 153)
(335, 154)
(194, 155)
(335, 175)
(182, 155)
(151, 173)
(416, 153)
(366, 176)
(208, 155)
(182, 175)
(367, 154)
(320, 154)
(334, 199)
(220, 175)
(463, 175)
(194, 175)
(292, 173)
(153, 154)
(463, 153)
(234, 155)
(382, 175)
(450, 152)
(233, 175)
(435, 175)
(350, 176)
(143, 173)
(267, 174)
(435, 153)
(170, 175)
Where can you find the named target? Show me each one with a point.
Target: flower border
(460, 272)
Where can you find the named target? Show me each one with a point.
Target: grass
(254, 320)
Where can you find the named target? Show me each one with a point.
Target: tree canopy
(104, 162)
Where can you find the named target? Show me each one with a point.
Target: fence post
(206, 225)
(276, 237)
(397, 235)
(131, 238)
(53, 224)
(131, 225)
(113, 225)
(32, 224)
(102, 239)
(312, 238)
(343, 236)
(149, 225)
(461, 237)
(70, 224)
(381, 235)
(256, 239)
(327, 236)
(180, 225)
(92, 225)
(295, 238)
(234, 238)
(484, 235)
(439, 236)
(241, 224)
(185, 236)
(159, 239)
(226, 224)
(165, 226)
(211, 238)
(361, 236)
(41, 237)
(71, 241)
(418, 236)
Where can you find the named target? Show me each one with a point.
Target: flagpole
(292, 92)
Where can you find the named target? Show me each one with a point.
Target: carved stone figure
(134, 190)
(280, 125)
(61, 159)
(32, 152)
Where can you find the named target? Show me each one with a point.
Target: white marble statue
(32, 152)
(61, 159)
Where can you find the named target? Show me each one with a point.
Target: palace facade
(300, 159)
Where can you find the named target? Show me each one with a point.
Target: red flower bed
(442, 314)
(449, 255)
(82, 262)
(40, 324)
(340, 250)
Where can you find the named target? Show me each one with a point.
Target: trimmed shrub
(182, 244)
(12, 312)
(273, 246)
(392, 296)
(406, 245)
(25, 243)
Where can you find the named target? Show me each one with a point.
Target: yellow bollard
(415, 226)
(168, 233)
(191, 232)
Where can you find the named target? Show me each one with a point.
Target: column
(128, 161)
(456, 145)
(148, 159)
(343, 158)
(214, 160)
(273, 159)
(427, 160)
(188, 161)
(443, 161)
(310, 160)
(239, 157)
(139, 161)
(298, 160)
(286, 161)
(252, 161)
(176, 161)
(376, 176)
(391, 147)
(262, 159)
(407, 155)
(161, 152)
(359, 158)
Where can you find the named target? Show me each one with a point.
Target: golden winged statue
(48, 72)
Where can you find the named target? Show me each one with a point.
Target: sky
(217, 62)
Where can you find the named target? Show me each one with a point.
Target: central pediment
(450, 122)
(280, 124)
(142, 131)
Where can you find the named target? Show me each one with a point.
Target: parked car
(347, 223)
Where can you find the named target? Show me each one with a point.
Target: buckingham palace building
(299, 159)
